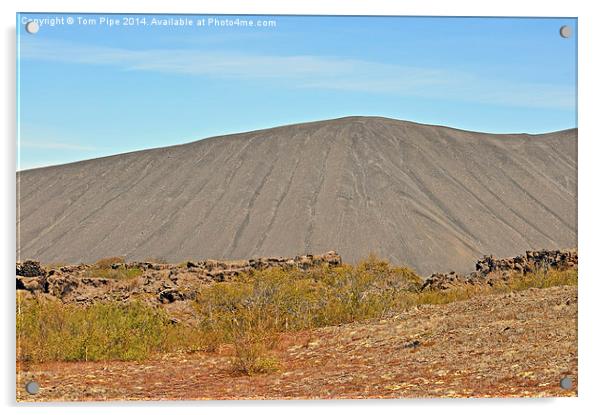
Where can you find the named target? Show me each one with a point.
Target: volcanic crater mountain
(432, 197)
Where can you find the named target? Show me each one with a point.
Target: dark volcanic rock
(531, 261)
(61, 285)
(167, 283)
(30, 269)
(490, 270)
(171, 295)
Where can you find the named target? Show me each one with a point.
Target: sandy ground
(506, 345)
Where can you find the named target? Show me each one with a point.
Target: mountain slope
(433, 197)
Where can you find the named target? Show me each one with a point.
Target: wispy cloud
(55, 145)
(56, 150)
(311, 71)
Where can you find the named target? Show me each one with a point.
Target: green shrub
(542, 279)
(252, 352)
(55, 265)
(103, 268)
(251, 311)
(50, 330)
(288, 300)
(248, 313)
(514, 283)
(120, 273)
(105, 263)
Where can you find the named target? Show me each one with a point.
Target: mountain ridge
(349, 117)
(355, 184)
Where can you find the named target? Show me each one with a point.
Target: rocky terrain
(491, 345)
(162, 283)
(169, 283)
(434, 198)
(490, 270)
(504, 345)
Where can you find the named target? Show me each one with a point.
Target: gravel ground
(507, 345)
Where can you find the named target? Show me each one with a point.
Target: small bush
(105, 263)
(251, 353)
(120, 273)
(513, 283)
(50, 330)
(248, 313)
(55, 265)
(542, 279)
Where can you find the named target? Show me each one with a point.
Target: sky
(95, 85)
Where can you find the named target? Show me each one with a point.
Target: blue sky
(88, 91)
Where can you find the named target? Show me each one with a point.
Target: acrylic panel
(295, 207)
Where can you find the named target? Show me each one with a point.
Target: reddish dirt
(505, 345)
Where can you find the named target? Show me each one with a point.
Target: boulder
(490, 270)
(30, 269)
(171, 295)
(166, 282)
(31, 284)
(61, 285)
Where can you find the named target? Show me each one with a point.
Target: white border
(590, 157)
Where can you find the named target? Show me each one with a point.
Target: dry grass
(252, 310)
(541, 279)
(514, 283)
(103, 268)
(48, 330)
(55, 265)
(106, 263)
(248, 313)
(120, 273)
(252, 353)
(156, 260)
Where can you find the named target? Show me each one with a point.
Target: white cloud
(310, 71)
(55, 145)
